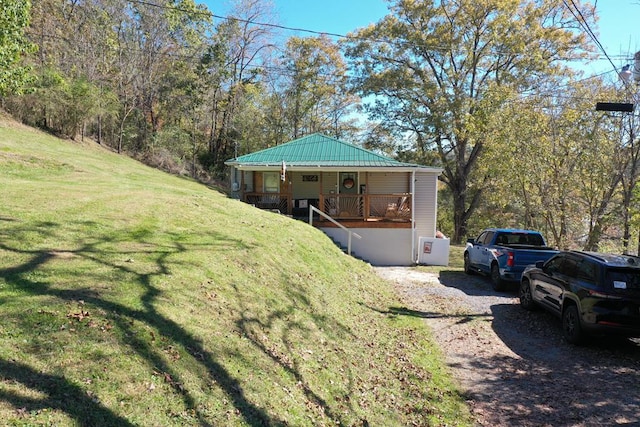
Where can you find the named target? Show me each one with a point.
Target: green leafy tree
(558, 165)
(439, 70)
(44, 105)
(135, 50)
(314, 87)
(623, 129)
(239, 54)
(14, 19)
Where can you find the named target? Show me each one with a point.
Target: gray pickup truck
(503, 254)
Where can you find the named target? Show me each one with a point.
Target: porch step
(346, 249)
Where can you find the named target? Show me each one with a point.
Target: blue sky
(618, 29)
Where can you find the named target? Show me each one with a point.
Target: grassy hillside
(131, 297)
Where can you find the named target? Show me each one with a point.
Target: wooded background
(488, 90)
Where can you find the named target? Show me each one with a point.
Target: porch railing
(367, 207)
(393, 207)
(350, 233)
(271, 201)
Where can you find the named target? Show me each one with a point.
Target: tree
(133, 50)
(14, 19)
(314, 87)
(236, 60)
(629, 182)
(440, 69)
(158, 41)
(558, 165)
(71, 66)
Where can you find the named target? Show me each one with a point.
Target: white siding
(387, 182)
(425, 204)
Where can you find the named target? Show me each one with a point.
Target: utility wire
(395, 42)
(245, 21)
(585, 25)
(285, 72)
(332, 78)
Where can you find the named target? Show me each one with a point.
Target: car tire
(467, 265)
(526, 297)
(571, 328)
(496, 280)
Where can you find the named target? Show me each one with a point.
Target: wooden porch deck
(371, 223)
(352, 210)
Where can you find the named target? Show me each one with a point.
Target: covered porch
(391, 204)
(369, 208)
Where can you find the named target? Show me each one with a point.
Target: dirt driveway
(513, 365)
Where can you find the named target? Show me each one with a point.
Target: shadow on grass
(248, 323)
(404, 311)
(62, 394)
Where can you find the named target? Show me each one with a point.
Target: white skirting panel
(378, 246)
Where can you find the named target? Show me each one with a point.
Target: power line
(285, 72)
(585, 25)
(245, 21)
(337, 78)
(396, 42)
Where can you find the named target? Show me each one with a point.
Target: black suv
(591, 292)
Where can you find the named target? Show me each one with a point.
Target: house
(384, 211)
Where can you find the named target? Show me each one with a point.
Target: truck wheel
(467, 264)
(526, 299)
(571, 328)
(496, 280)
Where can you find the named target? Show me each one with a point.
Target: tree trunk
(462, 212)
(593, 240)
(459, 219)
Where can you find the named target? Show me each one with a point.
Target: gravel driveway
(514, 366)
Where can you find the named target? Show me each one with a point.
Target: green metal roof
(317, 150)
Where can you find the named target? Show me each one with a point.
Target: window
(502, 239)
(530, 239)
(271, 182)
(569, 267)
(535, 240)
(554, 264)
(623, 278)
(481, 238)
(586, 271)
(488, 237)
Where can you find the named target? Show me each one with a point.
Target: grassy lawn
(456, 261)
(131, 297)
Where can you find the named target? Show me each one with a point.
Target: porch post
(290, 196)
(412, 188)
(242, 186)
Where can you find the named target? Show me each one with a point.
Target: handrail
(350, 233)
